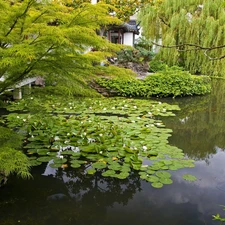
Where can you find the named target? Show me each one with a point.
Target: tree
(50, 38)
(126, 8)
(12, 160)
(192, 33)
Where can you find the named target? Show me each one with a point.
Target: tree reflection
(199, 126)
(68, 197)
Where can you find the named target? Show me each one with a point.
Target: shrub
(167, 83)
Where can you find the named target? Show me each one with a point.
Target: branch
(196, 48)
(16, 20)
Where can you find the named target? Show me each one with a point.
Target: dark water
(64, 197)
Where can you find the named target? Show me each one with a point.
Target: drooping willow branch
(195, 48)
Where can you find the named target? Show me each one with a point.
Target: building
(125, 33)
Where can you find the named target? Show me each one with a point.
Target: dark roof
(131, 26)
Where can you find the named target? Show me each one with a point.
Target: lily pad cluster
(111, 136)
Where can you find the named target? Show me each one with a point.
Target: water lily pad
(162, 174)
(75, 165)
(42, 151)
(153, 179)
(165, 180)
(91, 171)
(55, 165)
(59, 160)
(44, 159)
(157, 185)
(108, 173)
(150, 171)
(99, 165)
(34, 163)
(189, 177)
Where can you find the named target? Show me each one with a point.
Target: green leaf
(99, 165)
(189, 177)
(108, 173)
(91, 171)
(157, 185)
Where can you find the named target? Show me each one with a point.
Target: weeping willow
(180, 23)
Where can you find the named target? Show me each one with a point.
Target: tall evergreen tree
(192, 33)
(49, 37)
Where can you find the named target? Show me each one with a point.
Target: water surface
(65, 197)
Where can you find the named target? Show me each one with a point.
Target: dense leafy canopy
(194, 27)
(12, 160)
(50, 38)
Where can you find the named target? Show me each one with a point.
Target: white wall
(128, 39)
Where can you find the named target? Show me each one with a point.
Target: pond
(66, 197)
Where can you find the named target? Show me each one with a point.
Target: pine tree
(50, 38)
(194, 27)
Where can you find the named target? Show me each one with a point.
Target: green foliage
(12, 160)
(50, 38)
(188, 22)
(219, 218)
(111, 137)
(166, 83)
(156, 66)
(189, 177)
(138, 54)
(113, 71)
(143, 43)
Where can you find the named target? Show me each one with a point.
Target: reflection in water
(69, 197)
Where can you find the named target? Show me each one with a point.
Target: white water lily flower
(56, 138)
(160, 103)
(31, 98)
(65, 108)
(100, 135)
(164, 110)
(144, 148)
(135, 107)
(139, 117)
(132, 121)
(18, 117)
(122, 108)
(90, 107)
(61, 156)
(125, 105)
(90, 140)
(24, 120)
(100, 152)
(71, 107)
(113, 107)
(85, 133)
(104, 109)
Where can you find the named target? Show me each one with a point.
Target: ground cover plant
(164, 83)
(112, 136)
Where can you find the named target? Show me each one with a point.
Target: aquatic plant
(109, 136)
